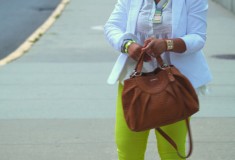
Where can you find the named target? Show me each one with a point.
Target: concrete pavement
(55, 103)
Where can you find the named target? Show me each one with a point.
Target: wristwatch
(169, 44)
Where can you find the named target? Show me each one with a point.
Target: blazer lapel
(177, 6)
(135, 6)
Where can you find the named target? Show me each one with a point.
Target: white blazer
(188, 23)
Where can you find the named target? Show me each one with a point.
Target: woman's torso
(145, 28)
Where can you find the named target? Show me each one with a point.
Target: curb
(27, 44)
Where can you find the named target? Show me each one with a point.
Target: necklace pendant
(157, 18)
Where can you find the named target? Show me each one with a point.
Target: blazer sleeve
(115, 28)
(196, 25)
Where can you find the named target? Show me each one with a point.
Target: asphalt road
(19, 19)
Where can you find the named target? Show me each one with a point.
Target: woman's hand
(134, 51)
(154, 46)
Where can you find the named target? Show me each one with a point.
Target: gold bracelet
(169, 44)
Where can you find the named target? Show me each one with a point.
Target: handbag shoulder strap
(171, 141)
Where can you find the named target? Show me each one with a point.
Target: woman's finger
(146, 42)
(148, 47)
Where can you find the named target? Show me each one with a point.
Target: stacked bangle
(125, 45)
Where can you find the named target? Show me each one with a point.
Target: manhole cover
(225, 56)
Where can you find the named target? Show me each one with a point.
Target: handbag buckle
(164, 66)
(136, 74)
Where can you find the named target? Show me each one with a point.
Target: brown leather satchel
(154, 99)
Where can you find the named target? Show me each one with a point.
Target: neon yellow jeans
(132, 145)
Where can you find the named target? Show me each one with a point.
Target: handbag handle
(140, 62)
(171, 141)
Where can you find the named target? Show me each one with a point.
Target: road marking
(98, 28)
(25, 46)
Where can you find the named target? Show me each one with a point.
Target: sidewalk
(55, 103)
